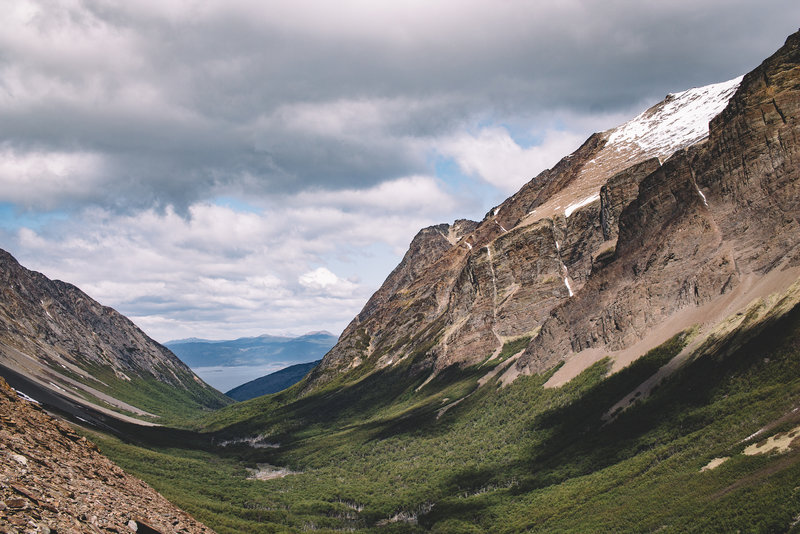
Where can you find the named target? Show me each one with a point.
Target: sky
(220, 169)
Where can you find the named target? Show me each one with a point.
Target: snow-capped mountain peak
(678, 121)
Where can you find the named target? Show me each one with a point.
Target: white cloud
(131, 119)
(403, 195)
(494, 156)
(322, 280)
(355, 119)
(43, 179)
(299, 262)
(188, 99)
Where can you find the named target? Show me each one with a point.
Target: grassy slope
(506, 460)
(176, 405)
(173, 405)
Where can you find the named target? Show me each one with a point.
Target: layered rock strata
(716, 214)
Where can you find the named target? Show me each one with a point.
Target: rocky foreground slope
(661, 223)
(55, 334)
(53, 480)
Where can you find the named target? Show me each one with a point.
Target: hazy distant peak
(188, 340)
(318, 333)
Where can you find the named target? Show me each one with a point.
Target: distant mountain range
(227, 364)
(259, 350)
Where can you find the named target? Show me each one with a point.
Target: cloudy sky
(227, 168)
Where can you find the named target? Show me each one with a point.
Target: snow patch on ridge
(586, 201)
(701, 195)
(681, 120)
(26, 397)
(569, 289)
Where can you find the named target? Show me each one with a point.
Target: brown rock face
(620, 190)
(656, 216)
(680, 247)
(53, 480)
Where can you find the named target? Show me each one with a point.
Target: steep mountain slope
(54, 480)
(272, 383)
(646, 229)
(58, 336)
(715, 227)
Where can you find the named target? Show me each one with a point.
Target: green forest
(380, 454)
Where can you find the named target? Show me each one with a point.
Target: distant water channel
(225, 378)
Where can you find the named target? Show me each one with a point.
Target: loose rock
(63, 485)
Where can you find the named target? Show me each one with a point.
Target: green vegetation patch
(175, 405)
(512, 347)
(381, 455)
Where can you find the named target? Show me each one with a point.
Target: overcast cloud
(217, 169)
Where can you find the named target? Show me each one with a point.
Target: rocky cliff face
(54, 333)
(630, 238)
(716, 220)
(53, 480)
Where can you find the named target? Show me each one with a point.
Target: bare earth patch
(506, 365)
(269, 472)
(780, 443)
(713, 464)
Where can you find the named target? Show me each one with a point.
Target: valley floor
(377, 455)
